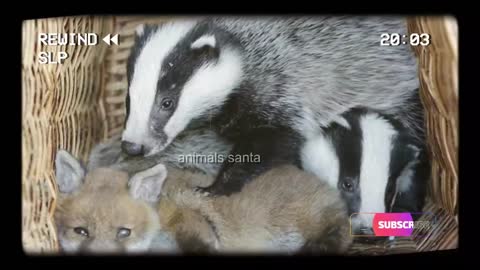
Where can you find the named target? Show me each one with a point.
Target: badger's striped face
(364, 160)
(377, 137)
(178, 72)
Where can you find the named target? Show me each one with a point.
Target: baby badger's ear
(147, 185)
(407, 159)
(410, 156)
(69, 172)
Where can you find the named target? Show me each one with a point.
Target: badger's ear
(140, 30)
(205, 45)
(408, 159)
(147, 185)
(204, 41)
(69, 172)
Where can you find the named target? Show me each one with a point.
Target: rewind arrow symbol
(108, 39)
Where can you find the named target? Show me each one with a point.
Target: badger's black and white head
(368, 158)
(177, 72)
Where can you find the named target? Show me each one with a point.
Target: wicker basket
(77, 105)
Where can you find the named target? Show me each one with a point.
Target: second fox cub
(284, 210)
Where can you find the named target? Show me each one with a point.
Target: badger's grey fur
(317, 68)
(254, 78)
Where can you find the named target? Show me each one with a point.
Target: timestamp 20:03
(413, 39)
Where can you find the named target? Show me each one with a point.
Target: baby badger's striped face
(98, 213)
(178, 72)
(366, 159)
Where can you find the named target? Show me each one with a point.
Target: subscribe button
(393, 224)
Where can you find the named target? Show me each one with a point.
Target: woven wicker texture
(54, 117)
(438, 75)
(61, 109)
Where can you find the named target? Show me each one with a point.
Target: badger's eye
(123, 233)
(81, 231)
(347, 186)
(167, 104)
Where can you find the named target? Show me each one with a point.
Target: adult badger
(265, 84)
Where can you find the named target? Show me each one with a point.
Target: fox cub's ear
(147, 185)
(69, 172)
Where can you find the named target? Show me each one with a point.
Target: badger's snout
(149, 147)
(133, 149)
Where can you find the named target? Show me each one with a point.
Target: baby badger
(283, 210)
(374, 162)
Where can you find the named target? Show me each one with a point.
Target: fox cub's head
(103, 211)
